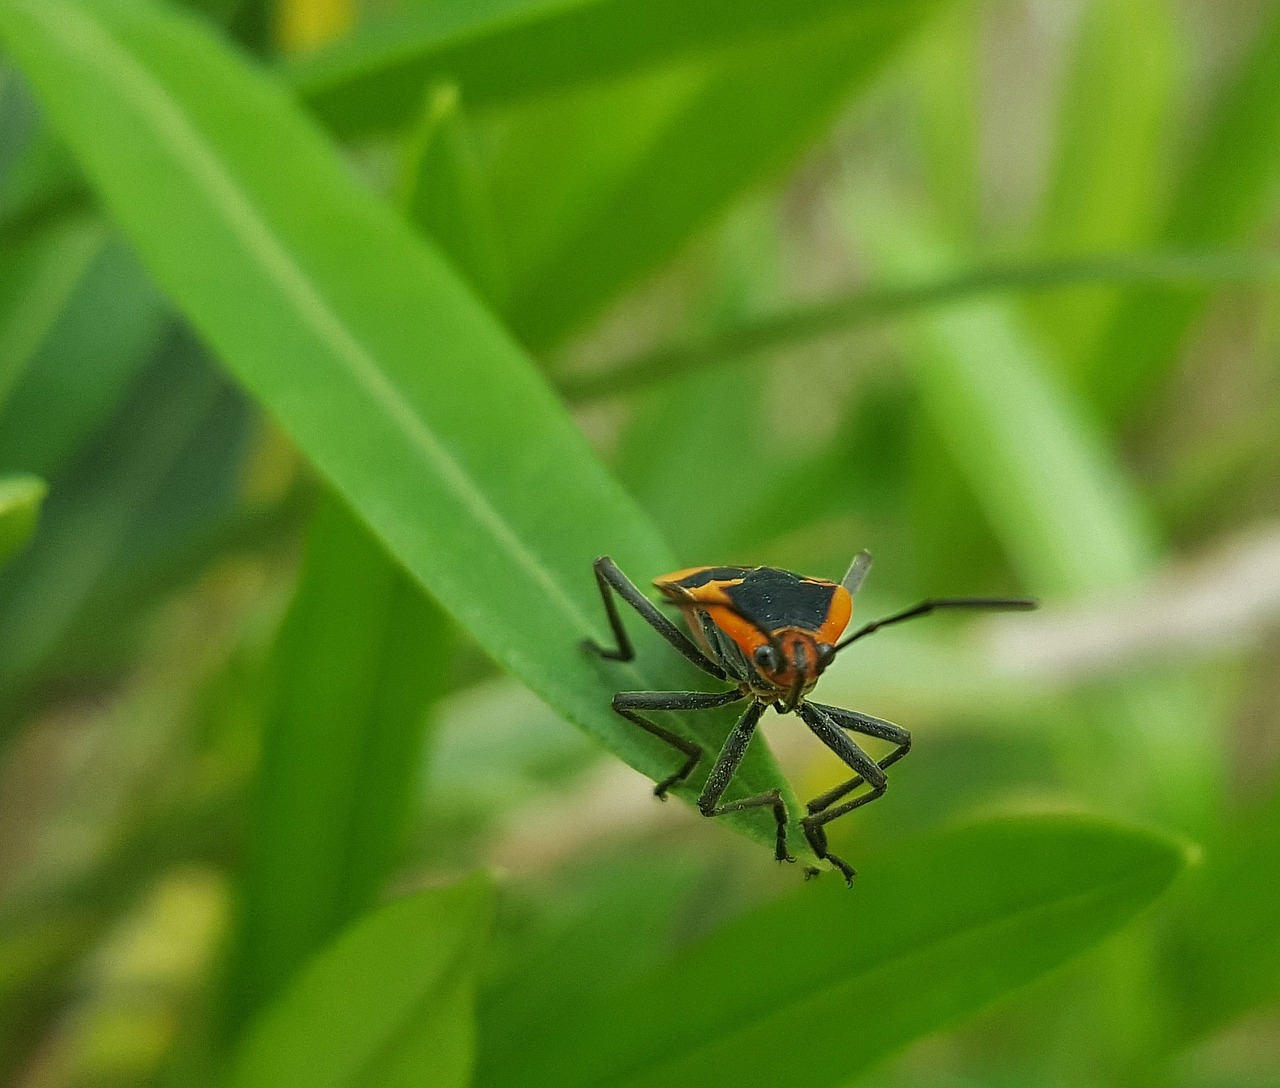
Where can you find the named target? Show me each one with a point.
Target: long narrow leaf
(823, 983)
(387, 1004)
(117, 500)
(105, 327)
(707, 136)
(1063, 507)
(874, 305)
(361, 654)
(507, 50)
(390, 376)
(1112, 131)
(37, 282)
(1223, 198)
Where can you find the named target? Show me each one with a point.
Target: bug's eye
(766, 657)
(825, 653)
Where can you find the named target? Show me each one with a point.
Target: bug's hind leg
(611, 580)
(828, 729)
(726, 766)
(630, 703)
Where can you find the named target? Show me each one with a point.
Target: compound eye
(766, 657)
(825, 654)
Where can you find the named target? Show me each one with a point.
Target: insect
(770, 634)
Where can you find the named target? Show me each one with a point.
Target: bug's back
(732, 611)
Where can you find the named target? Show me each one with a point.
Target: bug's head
(790, 661)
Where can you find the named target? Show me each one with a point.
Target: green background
(337, 340)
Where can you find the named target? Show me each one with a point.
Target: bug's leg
(722, 774)
(869, 771)
(871, 727)
(630, 703)
(611, 580)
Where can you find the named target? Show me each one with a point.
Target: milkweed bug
(770, 634)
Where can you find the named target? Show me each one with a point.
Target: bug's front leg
(871, 727)
(612, 581)
(722, 773)
(630, 703)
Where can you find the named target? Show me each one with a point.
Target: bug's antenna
(857, 573)
(991, 604)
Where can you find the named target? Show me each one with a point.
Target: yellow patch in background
(308, 24)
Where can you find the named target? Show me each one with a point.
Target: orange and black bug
(770, 633)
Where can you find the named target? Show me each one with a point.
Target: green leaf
(698, 139)
(1112, 131)
(1224, 959)
(1224, 197)
(361, 655)
(444, 193)
(413, 402)
(161, 468)
(78, 370)
(825, 982)
(501, 51)
(947, 67)
(1039, 463)
(386, 1005)
(20, 499)
(37, 284)
(867, 306)
(623, 912)
(1063, 508)
(663, 438)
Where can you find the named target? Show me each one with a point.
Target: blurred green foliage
(326, 373)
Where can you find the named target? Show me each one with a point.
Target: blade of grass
(946, 72)
(1224, 958)
(361, 655)
(1112, 131)
(20, 499)
(37, 283)
(717, 132)
(1222, 199)
(106, 326)
(1064, 510)
(934, 932)
(389, 1003)
(443, 193)
(155, 471)
(414, 404)
(33, 164)
(1069, 518)
(663, 438)
(510, 50)
(868, 306)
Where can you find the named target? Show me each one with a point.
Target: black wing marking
(712, 574)
(777, 598)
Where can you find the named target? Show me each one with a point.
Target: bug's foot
(781, 855)
(810, 872)
(846, 870)
(590, 646)
(660, 790)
